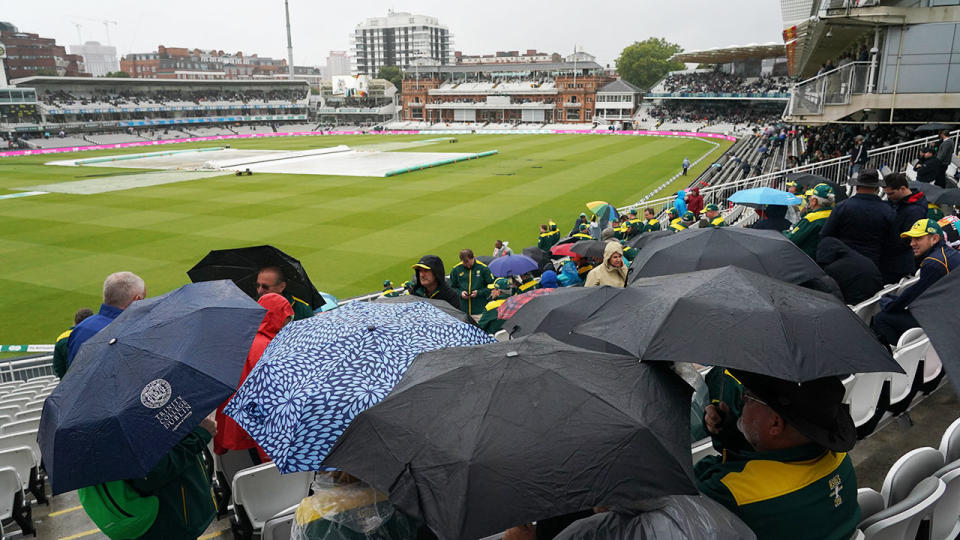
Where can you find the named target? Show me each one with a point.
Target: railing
(740, 95)
(894, 157)
(26, 368)
(834, 87)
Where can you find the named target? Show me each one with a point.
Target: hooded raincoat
(695, 202)
(230, 436)
(443, 291)
(605, 274)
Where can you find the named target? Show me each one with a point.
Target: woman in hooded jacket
(612, 272)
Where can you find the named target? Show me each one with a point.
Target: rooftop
(732, 53)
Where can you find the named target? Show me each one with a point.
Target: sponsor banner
(26, 348)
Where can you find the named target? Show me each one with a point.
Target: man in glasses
(793, 479)
(270, 279)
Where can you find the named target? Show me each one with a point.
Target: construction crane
(106, 25)
(79, 37)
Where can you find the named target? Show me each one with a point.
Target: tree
(121, 74)
(392, 74)
(645, 62)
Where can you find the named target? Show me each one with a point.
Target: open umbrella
(557, 313)
(930, 191)
(144, 382)
(640, 241)
(933, 126)
(766, 252)
(509, 307)
(542, 257)
(562, 250)
(935, 310)
(442, 305)
(806, 181)
(742, 320)
(764, 196)
(485, 259)
(319, 373)
(475, 440)
(589, 248)
(513, 265)
(950, 196)
(241, 266)
(603, 210)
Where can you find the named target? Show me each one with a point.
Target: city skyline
(218, 25)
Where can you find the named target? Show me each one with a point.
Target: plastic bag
(349, 511)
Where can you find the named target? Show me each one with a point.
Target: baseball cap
(791, 183)
(926, 149)
(822, 190)
(582, 214)
(689, 216)
(582, 227)
(500, 283)
(420, 265)
(387, 283)
(711, 208)
(923, 227)
(672, 211)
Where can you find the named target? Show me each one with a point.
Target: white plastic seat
(909, 353)
(945, 523)
(21, 459)
(42, 378)
(5, 419)
(908, 471)
(26, 424)
(932, 370)
(18, 402)
(950, 442)
(867, 309)
(35, 405)
(26, 438)
(24, 415)
(902, 520)
(870, 502)
(10, 485)
(262, 492)
(278, 527)
(703, 448)
(863, 395)
(9, 411)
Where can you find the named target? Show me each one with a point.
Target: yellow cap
(923, 227)
(418, 265)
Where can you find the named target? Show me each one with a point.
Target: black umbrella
(735, 318)
(555, 314)
(949, 196)
(765, 252)
(542, 257)
(485, 259)
(930, 191)
(806, 181)
(935, 309)
(442, 305)
(933, 126)
(589, 248)
(640, 241)
(475, 440)
(241, 266)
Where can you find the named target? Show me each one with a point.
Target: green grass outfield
(351, 233)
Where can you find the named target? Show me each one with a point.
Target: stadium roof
(135, 81)
(723, 55)
(619, 86)
(495, 68)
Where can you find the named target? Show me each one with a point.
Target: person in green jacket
(634, 225)
(270, 279)
(651, 223)
(582, 233)
(712, 217)
(547, 237)
(469, 279)
(181, 485)
(500, 290)
(806, 233)
(795, 480)
(60, 350)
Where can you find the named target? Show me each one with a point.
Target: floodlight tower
(286, 7)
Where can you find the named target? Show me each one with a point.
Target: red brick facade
(30, 55)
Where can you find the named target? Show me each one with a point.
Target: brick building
(183, 63)
(29, 55)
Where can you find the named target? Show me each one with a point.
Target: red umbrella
(563, 250)
(508, 308)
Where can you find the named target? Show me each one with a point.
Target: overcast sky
(257, 26)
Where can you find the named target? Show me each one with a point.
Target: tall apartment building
(400, 39)
(338, 63)
(97, 59)
(30, 54)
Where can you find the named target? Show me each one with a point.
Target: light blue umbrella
(765, 196)
(319, 373)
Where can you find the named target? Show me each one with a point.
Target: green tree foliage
(392, 74)
(121, 74)
(644, 62)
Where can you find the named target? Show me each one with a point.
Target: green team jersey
(548, 239)
(806, 233)
(475, 278)
(651, 224)
(301, 309)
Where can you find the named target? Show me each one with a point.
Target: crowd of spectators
(63, 98)
(717, 82)
(714, 112)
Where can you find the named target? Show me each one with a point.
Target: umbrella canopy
(513, 265)
(144, 382)
(742, 320)
(479, 439)
(562, 250)
(930, 191)
(640, 241)
(603, 210)
(806, 181)
(540, 256)
(241, 266)
(329, 301)
(933, 126)
(319, 373)
(485, 259)
(935, 309)
(589, 248)
(442, 305)
(949, 196)
(765, 252)
(509, 307)
(764, 196)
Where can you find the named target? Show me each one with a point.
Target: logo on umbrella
(156, 394)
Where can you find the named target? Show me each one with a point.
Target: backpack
(119, 510)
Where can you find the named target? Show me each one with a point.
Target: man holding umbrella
(270, 279)
(796, 480)
(470, 279)
(806, 234)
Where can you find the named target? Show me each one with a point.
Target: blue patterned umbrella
(319, 373)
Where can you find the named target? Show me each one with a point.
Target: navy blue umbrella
(319, 373)
(145, 381)
(513, 265)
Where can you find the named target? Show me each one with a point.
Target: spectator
(180, 483)
(695, 202)
(712, 218)
(500, 290)
(430, 281)
(806, 234)
(237, 449)
(547, 238)
(858, 156)
(469, 279)
(633, 224)
(928, 167)
(582, 220)
(60, 346)
(909, 206)
(120, 289)
(501, 249)
(937, 260)
(270, 279)
(857, 276)
(387, 287)
(612, 272)
(796, 481)
(686, 165)
(773, 219)
(548, 280)
(650, 223)
(582, 234)
(680, 203)
(686, 221)
(945, 153)
(864, 222)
